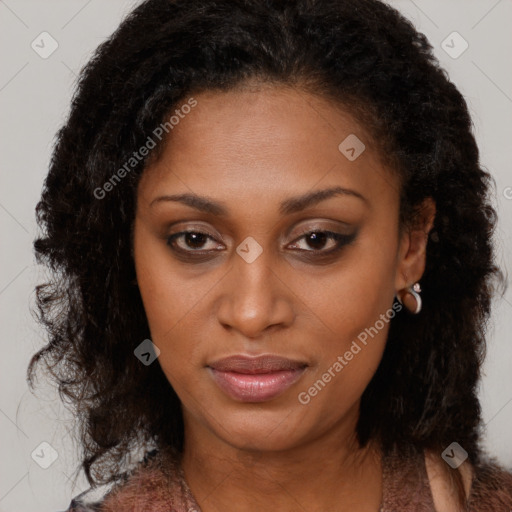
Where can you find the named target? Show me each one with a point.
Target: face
(257, 234)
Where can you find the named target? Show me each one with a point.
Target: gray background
(34, 100)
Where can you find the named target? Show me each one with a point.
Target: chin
(262, 430)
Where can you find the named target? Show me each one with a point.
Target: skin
(250, 150)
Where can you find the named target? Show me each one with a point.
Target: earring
(415, 292)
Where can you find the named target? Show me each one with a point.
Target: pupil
(317, 240)
(194, 240)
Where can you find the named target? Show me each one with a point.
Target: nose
(255, 300)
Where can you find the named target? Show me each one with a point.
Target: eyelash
(341, 239)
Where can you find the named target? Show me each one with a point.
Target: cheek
(169, 307)
(348, 358)
(356, 306)
(353, 294)
(169, 293)
(171, 302)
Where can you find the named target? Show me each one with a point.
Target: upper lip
(260, 364)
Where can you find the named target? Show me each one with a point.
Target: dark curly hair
(364, 56)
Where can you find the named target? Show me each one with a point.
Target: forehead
(272, 139)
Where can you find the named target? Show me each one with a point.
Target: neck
(331, 472)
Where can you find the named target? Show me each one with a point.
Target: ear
(413, 246)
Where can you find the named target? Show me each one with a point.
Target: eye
(192, 241)
(195, 243)
(319, 239)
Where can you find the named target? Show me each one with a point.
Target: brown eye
(313, 244)
(317, 240)
(191, 241)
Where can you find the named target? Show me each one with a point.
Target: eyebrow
(287, 207)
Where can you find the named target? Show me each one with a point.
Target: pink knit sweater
(153, 487)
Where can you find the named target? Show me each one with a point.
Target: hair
(366, 58)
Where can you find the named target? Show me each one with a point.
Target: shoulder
(94, 498)
(491, 487)
(487, 485)
(156, 484)
(83, 503)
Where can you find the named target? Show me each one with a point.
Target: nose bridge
(253, 272)
(254, 298)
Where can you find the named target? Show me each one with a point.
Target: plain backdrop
(35, 94)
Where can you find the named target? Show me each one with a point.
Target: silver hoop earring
(414, 290)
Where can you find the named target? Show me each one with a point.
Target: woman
(271, 239)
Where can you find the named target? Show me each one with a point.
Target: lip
(255, 379)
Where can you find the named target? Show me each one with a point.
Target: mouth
(255, 379)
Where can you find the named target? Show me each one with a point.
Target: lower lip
(255, 387)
